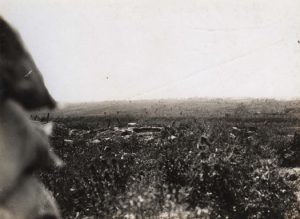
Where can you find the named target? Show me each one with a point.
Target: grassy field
(182, 159)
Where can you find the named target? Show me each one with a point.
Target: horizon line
(185, 98)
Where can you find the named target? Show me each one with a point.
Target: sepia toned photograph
(149, 109)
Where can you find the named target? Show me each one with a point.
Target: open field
(177, 159)
(192, 107)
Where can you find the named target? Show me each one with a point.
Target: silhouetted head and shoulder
(20, 79)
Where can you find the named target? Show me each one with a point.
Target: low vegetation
(233, 171)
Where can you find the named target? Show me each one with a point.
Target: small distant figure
(296, 142)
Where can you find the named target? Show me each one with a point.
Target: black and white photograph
(149, 109)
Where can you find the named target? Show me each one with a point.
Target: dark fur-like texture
(20, 79)
(24, 145)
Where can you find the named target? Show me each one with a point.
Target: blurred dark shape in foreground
(20, 79)
(24, 145)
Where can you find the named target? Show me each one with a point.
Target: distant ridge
(194, 107)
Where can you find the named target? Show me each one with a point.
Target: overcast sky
(91, 50)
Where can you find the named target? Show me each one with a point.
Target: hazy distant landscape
(164, 146)
(192, 107)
